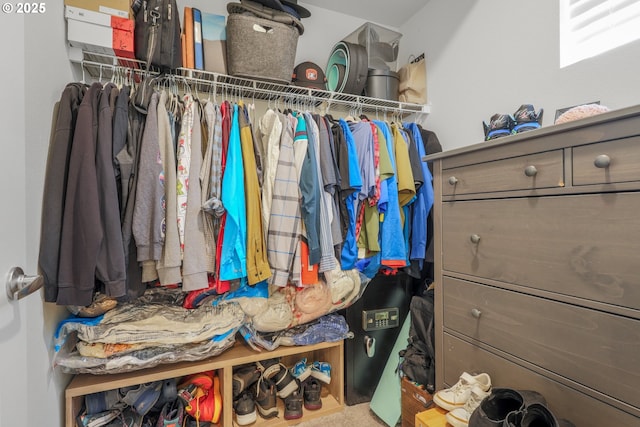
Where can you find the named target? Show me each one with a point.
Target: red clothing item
(373, 201)
(223, 286)
(309, 273)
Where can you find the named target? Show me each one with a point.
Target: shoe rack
(223, 364)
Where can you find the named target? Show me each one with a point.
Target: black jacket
(55, 187)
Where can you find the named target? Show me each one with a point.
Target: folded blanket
(74, 363)
(133, 323)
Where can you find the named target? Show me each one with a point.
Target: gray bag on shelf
(157, 33)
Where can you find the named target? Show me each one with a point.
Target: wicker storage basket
(261, 49)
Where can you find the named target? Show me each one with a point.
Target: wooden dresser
(537, 267)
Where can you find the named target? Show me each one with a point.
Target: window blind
(591, 27)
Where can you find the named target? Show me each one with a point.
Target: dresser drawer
(599, 350)
(541, 170)
(607, 162)
(558, 243)
(565, 402)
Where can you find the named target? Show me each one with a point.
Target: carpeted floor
(352, 416)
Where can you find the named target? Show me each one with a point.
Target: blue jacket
(349, 252)
(423, 203)
(233, 262)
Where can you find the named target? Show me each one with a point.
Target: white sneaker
(459, 417)
(457, 396)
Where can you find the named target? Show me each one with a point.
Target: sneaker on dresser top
(457, 395)
(527, 119)
(459, 417)
(499, 125)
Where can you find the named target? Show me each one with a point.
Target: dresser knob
(474, 238)
(453, 180)
(530, 171)
(602, 161)
(476, 313)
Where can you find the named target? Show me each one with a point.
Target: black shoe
(499, 125)
(526, 118)
(535, 415)
(285, 382)
(293, 405)
(493, 409)
(266, 398)
(311, 394)
(245, 409)
(243, 378)
(269, 367)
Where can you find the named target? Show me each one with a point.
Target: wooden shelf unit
(223, 364)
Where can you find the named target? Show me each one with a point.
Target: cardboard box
(434, 417)
(414, 399)
(99, 32)
(98, 18)
(120, 8)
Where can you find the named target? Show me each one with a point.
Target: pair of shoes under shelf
(319, 370)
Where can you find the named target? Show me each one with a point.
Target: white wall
(13, 318)
(491, 56)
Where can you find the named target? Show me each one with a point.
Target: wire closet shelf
(107, 67)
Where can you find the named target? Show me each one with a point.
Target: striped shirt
(284, 222)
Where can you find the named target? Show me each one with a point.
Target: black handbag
(157, 33)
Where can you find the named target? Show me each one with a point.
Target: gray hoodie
(194, 265)
(169, 264)
(148, 212)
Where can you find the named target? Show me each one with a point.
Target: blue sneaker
(499, 125)
(321, 371)
(526, 118)
(301, 370)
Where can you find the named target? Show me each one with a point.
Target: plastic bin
(382, 45)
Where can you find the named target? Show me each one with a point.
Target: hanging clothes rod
(104, 67)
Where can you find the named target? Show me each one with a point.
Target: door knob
(602, 161)
(19, 285)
